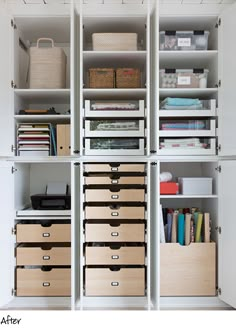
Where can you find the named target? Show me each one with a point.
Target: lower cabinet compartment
(121, 282)
(188, 270)
(129, 255)
(37, 282)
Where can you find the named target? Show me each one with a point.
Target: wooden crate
(188, 270)
(101, 78)
(128, 78)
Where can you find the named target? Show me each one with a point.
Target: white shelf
(40, 118)
(114, 93)
(31, 212)
(187, 133)
(187, 92)
(186, 113)
(114, 57)
(188, 58)
(59, 96)
(188, 196)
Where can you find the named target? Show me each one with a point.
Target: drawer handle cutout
(114, 181)
(114, 196)
(46, 284)
(115, 283)
(114, 234)
(46, 258)
(115, 214)
(46, 234)
(115, 257)
(114, 169)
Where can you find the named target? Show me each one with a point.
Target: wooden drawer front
(188, 270)
(106, 195)
(125, 282)
(35, 282)
(105, 212)
(38, 256)
(110, 168)
(38, 233)
(108, 233)
(119, 180)
(109, 256)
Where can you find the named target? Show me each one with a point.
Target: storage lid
(173, 71)
(176, 32)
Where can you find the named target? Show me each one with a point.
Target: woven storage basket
(115, 41)
(101, 78)
(128, 78)
(47, 67)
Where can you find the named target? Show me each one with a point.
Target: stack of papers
(33, 139)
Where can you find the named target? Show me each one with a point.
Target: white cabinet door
(6, 238)
(6, 92)
(227, 75)
(227, 236)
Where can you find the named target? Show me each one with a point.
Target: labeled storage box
(184, 40)
(114, 232)
(47, 66)
(40, 282)
(115, 41)
(169, 188)
(195, 186)
(115, 255)
(128, 78)
(101, 78)
(188, 270)
(183, 78)
(121, 282)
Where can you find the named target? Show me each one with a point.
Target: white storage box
(47, 66)
(114, 128)
(114, 109)
(184, 40)
(114, 41)
(183, 78)
(114, 146)
(195, 186)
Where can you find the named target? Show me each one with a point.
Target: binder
(199, 227)
(63, 139)
(206, 227)
(174, 227)
(187, 228)
(162, 230)
(169, 226)
(181, 228)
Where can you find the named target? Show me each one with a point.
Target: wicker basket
(128, 78)
(101, 78)
(47, 66)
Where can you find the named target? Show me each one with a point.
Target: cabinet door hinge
(13, 24)
(76, 164)
(13, 170)
(218, 229)
(153, 163)
(153, 151)
(218, 147)
(13, 231)
(13, 148)
(218, 85)
(13, 292)
(13, 85)
(218, 23)
(218, 168)
(76, 151)
(219, 291)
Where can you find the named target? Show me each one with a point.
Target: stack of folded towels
(181, 104)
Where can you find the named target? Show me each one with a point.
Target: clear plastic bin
(183, 78)
(184, 40)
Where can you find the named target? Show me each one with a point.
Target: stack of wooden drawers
(43, 259)
(114, 215)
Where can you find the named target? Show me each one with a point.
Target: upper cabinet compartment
(42, 53)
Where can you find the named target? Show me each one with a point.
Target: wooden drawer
(114, 180)
(35, 282)
(107, 212)
(188, 270)
(39, 256)
(122, 195)
(111, 256)
(38, 233)
(114, 168)
(120, 233)
(124, 282)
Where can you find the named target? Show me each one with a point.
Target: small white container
(115, 41)
(195, 186)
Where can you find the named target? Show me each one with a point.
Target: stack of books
(33, 139)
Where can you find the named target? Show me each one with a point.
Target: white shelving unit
(71, 26)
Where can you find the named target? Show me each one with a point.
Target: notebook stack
(33, 139)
